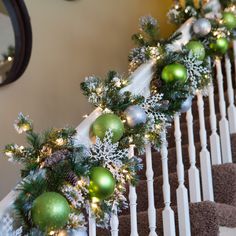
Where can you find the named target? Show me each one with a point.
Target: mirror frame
(23, 38)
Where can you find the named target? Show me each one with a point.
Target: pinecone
(72, 178)
(56, 157)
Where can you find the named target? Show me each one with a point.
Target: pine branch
(34, 140)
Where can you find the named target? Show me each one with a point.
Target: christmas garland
(55, 166)
(84, 181)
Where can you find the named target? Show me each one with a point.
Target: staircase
(206, 217)
(189, 187)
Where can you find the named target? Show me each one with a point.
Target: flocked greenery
(54, 162)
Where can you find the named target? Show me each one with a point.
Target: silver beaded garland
(135, 115)
(202, 27)
(186, 104)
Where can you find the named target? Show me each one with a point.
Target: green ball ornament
(174, 72)
(50, 211)
(229, 20)
(221, 45)
(102, 183)
(108, 121)
(197, 49)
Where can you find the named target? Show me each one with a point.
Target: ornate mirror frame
(23, 38)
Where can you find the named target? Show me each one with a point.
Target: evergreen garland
(54, 162)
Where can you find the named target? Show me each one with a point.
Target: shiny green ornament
(221, 45)
(50, 211)
(229, 20)
(108, 121)
(197, 49)
(102, 183)
(174, 72)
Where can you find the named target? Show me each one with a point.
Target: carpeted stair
(206, 217)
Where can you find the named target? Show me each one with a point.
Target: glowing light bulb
(59, 141)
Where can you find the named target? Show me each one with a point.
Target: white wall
(71, 40)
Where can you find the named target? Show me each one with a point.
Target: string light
(24, 127)
(99, 90)
(128, 177)
(94, 206)
(124, 82)
(95, 200)
(131, 140)
(59, 141)
(9, 153)
(52, 233)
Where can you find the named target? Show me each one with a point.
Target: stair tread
(157, 162)
(222, 175)
(206, 218)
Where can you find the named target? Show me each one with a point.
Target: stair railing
(140, 81)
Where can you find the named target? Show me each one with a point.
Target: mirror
(15, 40)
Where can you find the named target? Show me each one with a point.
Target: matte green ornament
(229, 20)
(174, 72)
(102, 183)
(220, 46)
(50, 211)
(108, 121)
(197, 49)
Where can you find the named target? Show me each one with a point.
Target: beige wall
(71, 40)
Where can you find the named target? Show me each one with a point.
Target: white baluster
(114, 222)
(193, 172)
(182, 193)
(92, 224)
(205, 159)
(133, 202)
(151, 200)
(214, 138)
(224, 124)
(234, 47)
(167, 213)
(231, 109)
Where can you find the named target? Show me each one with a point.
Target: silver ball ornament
(202, 27)
(135, 115)
(186, 105)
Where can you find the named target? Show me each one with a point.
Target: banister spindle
(231, 108)
(151, 200)
(182, 193)
(234, 49)
(92, 223)
(133, 202)
(205, 159)
(193, 172)
(214, 138)
(224, 124)
(114, 222)
(167, 213)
